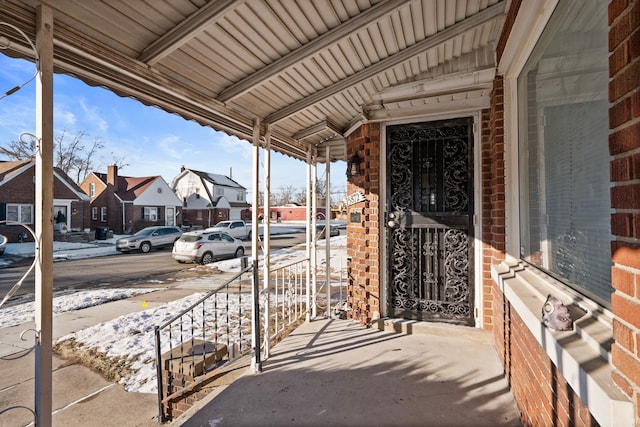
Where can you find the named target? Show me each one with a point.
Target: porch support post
(255, 361)
(314, 234)
(308, 237)
(266, 240)
(327, 231)
(44, 217)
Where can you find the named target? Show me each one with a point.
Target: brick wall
(541, 392)
(624, 147)
(363, 248)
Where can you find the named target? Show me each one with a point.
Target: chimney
(112, 176)
(182, 168)
(230, 173)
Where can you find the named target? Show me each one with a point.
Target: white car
(3, 243)
(206, 246)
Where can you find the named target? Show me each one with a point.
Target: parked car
(206, 246)
(321, 228)
(236, 228)
(149, 238)
(3, 243)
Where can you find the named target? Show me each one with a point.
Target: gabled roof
(11, 169)
(217, 179)
(130, 188)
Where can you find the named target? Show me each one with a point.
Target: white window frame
(525, 287)
(92, 189)
(103, 214)
(151, 213)
(94, 213)
(20, 208)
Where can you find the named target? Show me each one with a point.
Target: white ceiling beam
(310, 49)
(325, 124)
(389, 62)
(187, 29)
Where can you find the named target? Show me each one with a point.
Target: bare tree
(72, 155)
(20, 150)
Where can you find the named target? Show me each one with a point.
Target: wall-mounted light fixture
(354, 165)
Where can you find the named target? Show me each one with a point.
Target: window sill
(582, 355)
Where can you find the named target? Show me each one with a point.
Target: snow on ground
(131, 336)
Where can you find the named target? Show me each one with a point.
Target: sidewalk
(81, 397)
(338, 373)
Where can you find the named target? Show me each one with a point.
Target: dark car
(149, 238)
(321, 230)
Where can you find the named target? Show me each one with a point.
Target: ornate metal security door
(429, 220)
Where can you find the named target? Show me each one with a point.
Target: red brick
(626, 254)
(625, 196)
(623, 281)
(623, 336)
(624, 140)
(626, 364)
(621, 224)
(627, 310)
(620, 112)
(625, 82)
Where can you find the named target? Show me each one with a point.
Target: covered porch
(396, 373)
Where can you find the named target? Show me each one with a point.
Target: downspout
(124, 216)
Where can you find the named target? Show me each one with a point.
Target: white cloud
(93, 116)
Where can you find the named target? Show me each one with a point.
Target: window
(94, 214)
(20, 213)
(240, 197)
(563, 150)
(92, 189)
(103, 214)
(219, 191)
(150, 213)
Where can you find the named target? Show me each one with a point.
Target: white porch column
(254, 240)
(327, 231)
(314, 232)
(44, 216)
(308, 218)
(266, 240)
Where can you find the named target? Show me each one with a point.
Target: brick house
(208, 198)
(17, 199)
(549, 204)
(127, 204)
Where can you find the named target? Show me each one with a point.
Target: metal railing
(219, 327)
(285, 301)
(214, 330)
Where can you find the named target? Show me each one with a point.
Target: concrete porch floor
(339, 373)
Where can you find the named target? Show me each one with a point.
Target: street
(117, 270)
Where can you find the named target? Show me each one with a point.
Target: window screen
(563, 149)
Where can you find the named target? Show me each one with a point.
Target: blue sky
(152, 141)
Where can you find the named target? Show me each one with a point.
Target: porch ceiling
(313, 70)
